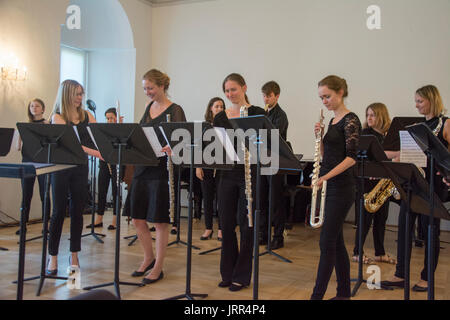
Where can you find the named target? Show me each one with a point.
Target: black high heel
(141, 273)
(51, 272)
(207, 237)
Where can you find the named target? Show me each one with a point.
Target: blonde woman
(429, 104)
(69, 110)
(377, 124)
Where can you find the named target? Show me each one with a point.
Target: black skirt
(149, 198)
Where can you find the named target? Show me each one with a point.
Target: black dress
(149, 196)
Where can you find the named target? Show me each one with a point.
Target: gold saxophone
(171, 184)
(247, 173)
(386, 188)
(315, 220)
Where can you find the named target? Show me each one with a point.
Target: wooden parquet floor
(278, 280)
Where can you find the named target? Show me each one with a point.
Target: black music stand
(439, 157)
(257, 123)
(6, 136)
(195, 142)
(392, 140)
(369, 150)
(119, 144)
(57, 144)
(414, 189)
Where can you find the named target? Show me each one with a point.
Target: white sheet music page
(92, 137)
(409, 150)
(154, 141)
(226, 142)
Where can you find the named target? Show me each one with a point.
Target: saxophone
(315, 220)
(171, 185)
(385, 188)
(247, 173)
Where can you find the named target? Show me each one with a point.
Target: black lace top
(176, 115)
(341, 141)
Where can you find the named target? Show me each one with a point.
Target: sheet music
(92, 137)
(221, 134)
(154, 141)
(76, 132)
(409, 150)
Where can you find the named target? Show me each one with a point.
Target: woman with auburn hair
(208, 176)
(35, 113)
(149, 196)
(235, 261)
(73, 182)
(339, 148)
(429, 104)
(377, 124)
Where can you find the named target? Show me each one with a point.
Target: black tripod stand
(121, 144)
(93, 184)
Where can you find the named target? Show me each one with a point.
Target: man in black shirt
(276, 115)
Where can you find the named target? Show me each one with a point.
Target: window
(73, 65)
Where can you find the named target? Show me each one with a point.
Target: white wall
(31, 29)
(297, 43)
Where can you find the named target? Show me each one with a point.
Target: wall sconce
(11, 71)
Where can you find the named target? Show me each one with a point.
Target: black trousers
(27, 195)
(402, 246)
(379, 219)
(104, 177)
(278, 204)
(333, 254)
(235, 262)
(209, 191)
(69, 187)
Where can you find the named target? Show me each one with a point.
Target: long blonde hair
(382, 119)
(64, 100)
(431, 93)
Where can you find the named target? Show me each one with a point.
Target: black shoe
(207, 237)
(111, 227)
(340, 298)
(418, 243)
(51, 272)
(419, 288)
(98, 225)
(397, 284)
(224, 284)
(149, 281)
(276, 243)
(152, 229)
(219, 238)
(262, 240)
(236, 287)
(141, 273)
(173, 231)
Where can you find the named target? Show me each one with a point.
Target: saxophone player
(339, 150)
(377, 124)
(429, 104)
(235, 263)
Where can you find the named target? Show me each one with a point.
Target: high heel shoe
(207, 237)
(51, 272)
(149, 281)
(141, 273)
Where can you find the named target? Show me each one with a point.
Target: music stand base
(95, 235)
(275, 255)
(211, 250)
(188, 296)
(116, 285)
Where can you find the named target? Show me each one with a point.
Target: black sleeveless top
(440, 187)
(341, 141)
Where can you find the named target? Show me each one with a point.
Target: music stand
(257, 123)
(120, 144)
(369, 149)
(414, 189)
(392, 140)
(195, 141)
(438, 156)
(6, 136)
(57, 144)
